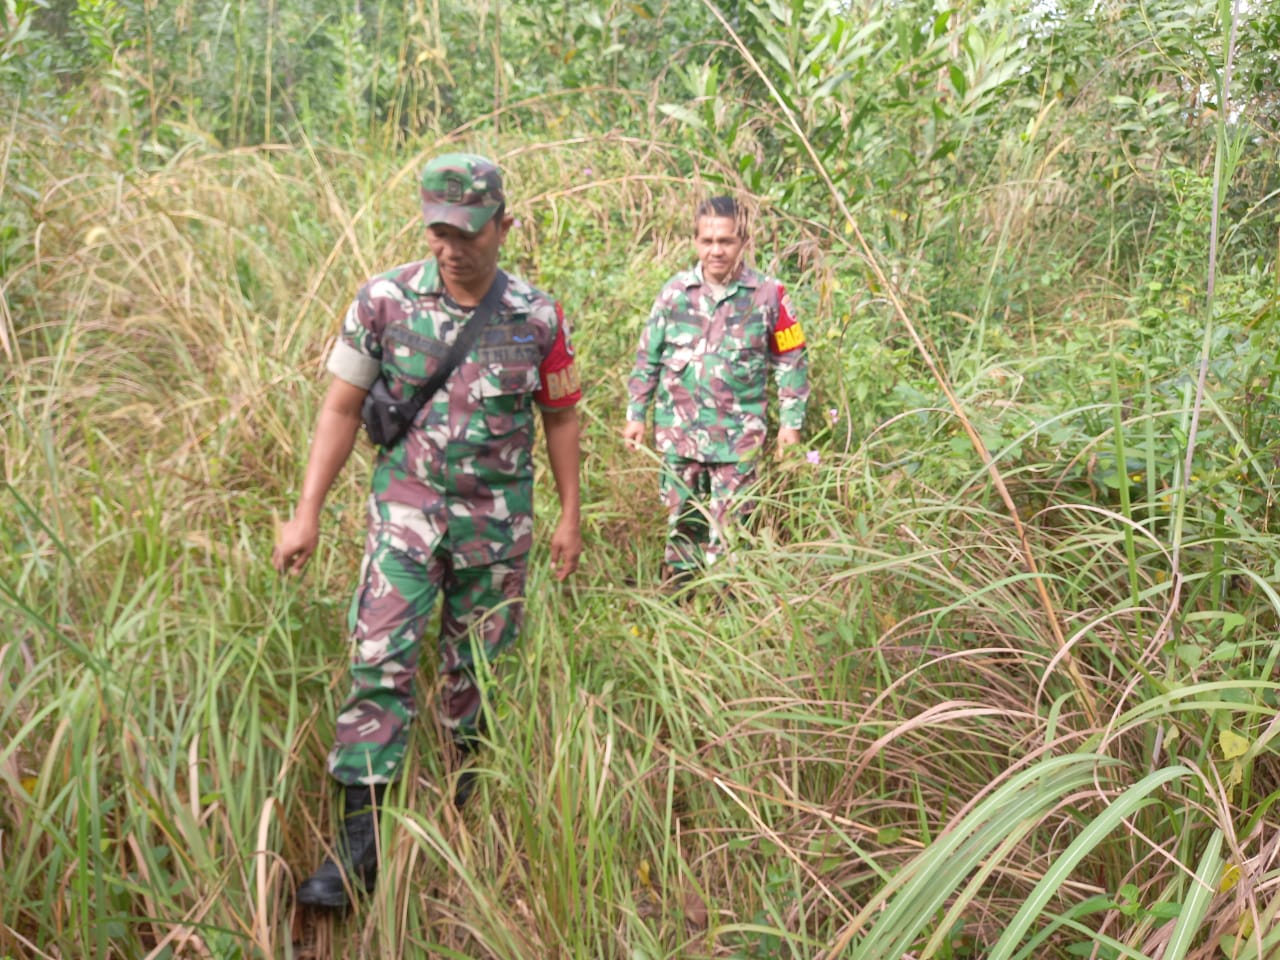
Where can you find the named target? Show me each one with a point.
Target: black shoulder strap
(461, 346)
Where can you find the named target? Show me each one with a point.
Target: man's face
(467, 261)
(719, 246)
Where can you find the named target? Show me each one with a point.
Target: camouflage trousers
(703, 501)
(399, 589)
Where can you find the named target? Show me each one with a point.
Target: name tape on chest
(510, 353)
(414, 341)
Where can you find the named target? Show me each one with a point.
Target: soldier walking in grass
(451, 510)
(703, 364)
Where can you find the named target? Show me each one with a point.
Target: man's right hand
(335, 435)
(295, 542)
(633, 434)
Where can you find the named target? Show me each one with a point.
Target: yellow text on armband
(563, 383)
(790, 338)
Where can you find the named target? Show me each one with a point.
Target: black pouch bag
(387, 419)
(384, 416)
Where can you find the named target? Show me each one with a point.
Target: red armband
(560, 386)
(787, 335)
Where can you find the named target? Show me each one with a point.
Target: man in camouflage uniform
(713, 336)
(451, 510)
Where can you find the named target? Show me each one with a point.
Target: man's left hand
(566, 548)
(787, 437)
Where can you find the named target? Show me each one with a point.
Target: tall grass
(879, 732)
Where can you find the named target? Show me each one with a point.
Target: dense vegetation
(997, 672)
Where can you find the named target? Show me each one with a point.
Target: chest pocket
(505, 391)
(505, 380)
(681, 343)
(509, 356)
(746, 346)
(410, 358)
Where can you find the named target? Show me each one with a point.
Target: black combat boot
(676, 580)
(465, 785)
(357, 853)
(465, 747)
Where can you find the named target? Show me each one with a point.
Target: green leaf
(1224, 651)
(1232, 744)
(944, 149)
(913, 897)
(683, 114)
(1189, 654)
(1165, 910)
(1119, 809)
(1191, 918)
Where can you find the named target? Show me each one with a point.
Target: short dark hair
(722, 207)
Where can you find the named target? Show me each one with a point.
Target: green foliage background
(995, 676)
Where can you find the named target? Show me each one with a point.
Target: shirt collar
(744, 277)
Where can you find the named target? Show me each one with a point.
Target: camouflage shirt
(703, 363)
(467, 464)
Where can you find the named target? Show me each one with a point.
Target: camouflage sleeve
(357, 355)
(790, 360)
(644, 375)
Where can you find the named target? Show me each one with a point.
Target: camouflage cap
(461, 189)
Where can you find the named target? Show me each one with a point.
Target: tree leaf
(1232, 744)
